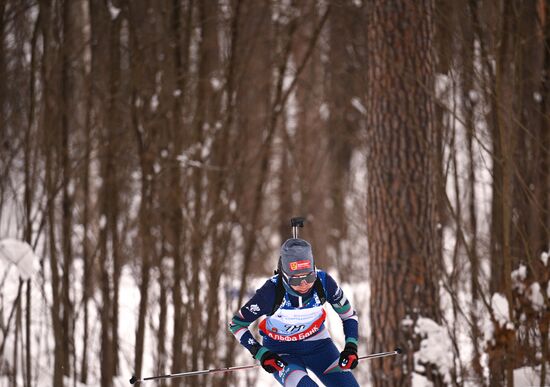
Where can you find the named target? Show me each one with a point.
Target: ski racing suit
(297, 332)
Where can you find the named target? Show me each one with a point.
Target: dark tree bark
(401, 216)
(66, 106)
(105, 34)
(219, 227)
(206, 113)
(501, 354)
(87, 283)
(181, 35)
(146, 138)
(528, 51)
(17, 329)
(306, 145)
(469, 103)
(51, 136)
(3, 72)
(543, 175)
(115, 137)
(30, 186)
(251, 80)
(343, 123)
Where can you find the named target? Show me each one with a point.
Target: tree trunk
(51, 136)
(66, 201)
(29, 188)
(86, 254)
(501, 356)
(17, 329)
(206, 114)
(342, 126)
(145, 135)
(220, 182)
(469, 104)
(542, 190)
(105, 278)
(181, 38)
(401, 215)
(146, 247)
(114, 125)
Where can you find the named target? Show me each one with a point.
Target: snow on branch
(19, 254)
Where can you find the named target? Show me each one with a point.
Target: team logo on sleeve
(300, 265)
(254, 308)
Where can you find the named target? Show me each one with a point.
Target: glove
(271, 362)
(348, 357)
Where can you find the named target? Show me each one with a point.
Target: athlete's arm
(260, 304)
(340, 303)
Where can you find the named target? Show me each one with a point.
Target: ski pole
(396, 351)
(135, 380)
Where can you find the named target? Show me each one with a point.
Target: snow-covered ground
(18, 261)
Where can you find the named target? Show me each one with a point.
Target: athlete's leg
(324, 363)
(294, 374)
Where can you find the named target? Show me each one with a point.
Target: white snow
(324, 111)
(473, 96)
(520, 273)
(529, 376)
(216, 83)
(407, 322)
(154, 102)
(536, 297)
(420, 381)
(102, 222)
(518, 276)
(500, 309)
(114, 11)
(544, 258)
(356, 103)
(436, 347)
(21, 255)
(499, 306)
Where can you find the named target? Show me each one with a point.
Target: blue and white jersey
(293, 323)
(298, 318)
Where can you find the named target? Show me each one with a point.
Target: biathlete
(295, 338)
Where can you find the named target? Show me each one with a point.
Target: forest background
(153, 152)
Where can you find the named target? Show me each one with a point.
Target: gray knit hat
(296, 257)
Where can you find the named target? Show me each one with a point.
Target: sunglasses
(297, 280)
